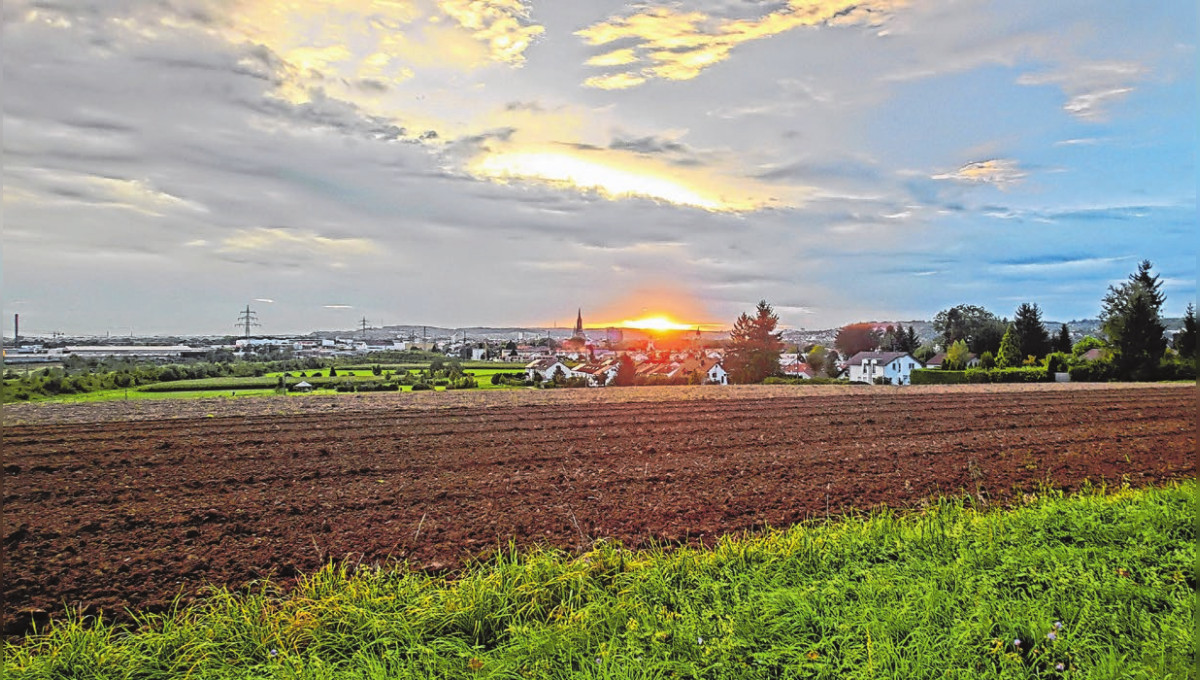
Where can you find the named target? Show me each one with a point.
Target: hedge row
(1032, 374)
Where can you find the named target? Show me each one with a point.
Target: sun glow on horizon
(659, 323)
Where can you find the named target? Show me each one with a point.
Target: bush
(934, 376)
(422, 387)
(1093, 371)
(1024, 374)
(1057, 362)
(374, 386)
(441, 382)
(465, 382)
(1177, 369)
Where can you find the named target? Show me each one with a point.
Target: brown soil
(115, 514)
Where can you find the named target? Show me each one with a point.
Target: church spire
(579, 324)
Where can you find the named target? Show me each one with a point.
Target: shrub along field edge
(1091, 585)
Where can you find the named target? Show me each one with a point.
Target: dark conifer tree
(754, 346)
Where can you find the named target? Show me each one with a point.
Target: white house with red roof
(714, 372)
(599, 373)
(546, 368)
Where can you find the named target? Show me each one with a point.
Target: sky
(506, 163)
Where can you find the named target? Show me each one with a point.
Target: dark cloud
(649, 145)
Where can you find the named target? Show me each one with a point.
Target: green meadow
(265, 385)
(1092, 585)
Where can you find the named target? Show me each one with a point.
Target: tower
(579, 324)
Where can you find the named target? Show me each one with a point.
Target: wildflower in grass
(274, 652)
(813, 655)
(1017, 643)
(1058, 625)
(699, 640)
(1059, 667)
(474, 664)
(1052, 636)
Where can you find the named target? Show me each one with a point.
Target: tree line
(1134, 342)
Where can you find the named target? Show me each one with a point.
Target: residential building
(894, 367)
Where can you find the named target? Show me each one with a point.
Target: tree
(855, 338)
(625, 372)
(911, 341)
(1132, 322)
(987, 360)
(1010, 351)
(925, 352)
(831, 364)
(980, 328)
(1032, 337)
(754, 346)
(957, 356)
(1185, 340)
(890, 340)
(816, 358)
(1062, 343)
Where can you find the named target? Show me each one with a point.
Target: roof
(879, 357)
(798, 368)
(303, 383)
(596, 367)
(541, 364)
(1094, 354)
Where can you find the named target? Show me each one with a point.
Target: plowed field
(109, 515)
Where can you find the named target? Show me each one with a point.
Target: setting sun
(656, 323)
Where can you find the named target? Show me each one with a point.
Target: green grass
(938, 594)
(135, 393)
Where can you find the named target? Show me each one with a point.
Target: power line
(246, 319)
(364, 326)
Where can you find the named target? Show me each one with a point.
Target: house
(546, 368)
(938, 359)
(303, 386)
(895, 367)
(798, 369)
(598, 373)
(714, 372)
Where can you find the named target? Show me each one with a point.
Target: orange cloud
(676, 45)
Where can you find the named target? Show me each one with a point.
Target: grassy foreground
(1094, 585)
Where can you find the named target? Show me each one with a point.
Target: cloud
(1091, 87)
(60, 186)
(614, 58)
(338, 306)
(678, 45)
(268, 300)
(501, 24)
(293, 248)
(616, 81)
(1082, 141)
(1058, 263)
(999, 172)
